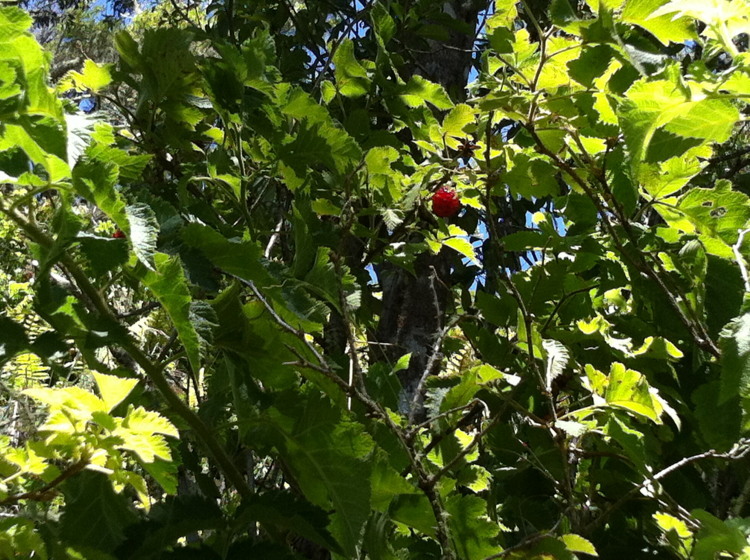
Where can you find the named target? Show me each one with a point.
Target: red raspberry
(118, 234)
(445, 202)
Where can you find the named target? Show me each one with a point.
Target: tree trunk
(415, 305)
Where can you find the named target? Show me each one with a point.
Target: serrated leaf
(73, 400)
(734, 342)
(94, 515)
(667, 523)
(79, 129)
(576, 543)
(96, 181)
(556, 360)
(12, 340)
(663, 26)
(144, 421)
(143, 232)
(287, 511)
(13, 22)
(573, 429)
(719, 419)
(384, 24)
(168, 284)
(379, 159)
(475, 477)
(413, 510)
(463, 246)
(241, 259)
(471, 528)
(139, 433)
(420, 91)
(391, 218)
(652, 105)
(113, 390)
(94, 78)
(457, 119)
(328, 459)
(351, 77)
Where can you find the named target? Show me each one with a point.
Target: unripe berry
(445, 202)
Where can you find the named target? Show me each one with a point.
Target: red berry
(445, 202)
(118, 234)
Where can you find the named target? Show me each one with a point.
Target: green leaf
(628, 389)
(456, 121)
(96, 180)
(288, 512)
(717, 214)
(113, 390)
(387, 483)
(142, 421)
(734, 342)
(664, 27)
(139, 433)
(102, 254)
(532, 178)
(74, 400)
(379, 160)
(472, 530)
(591, 64)
(413, 510)
(462, 246)
(724, 293)
(669, 523)
(43, 142)
(384, 24)
(129, 166)
(164, 473)
(651, 105)
(303, 107)
(168, 284)
(351, 77)
(576, 543)
(13, 22)
(716, 537)
(328, 457)
(12, 340)
(94, 515)
(665, 178)
(419, 91)
(504, 14)
(719, 420)
(239, 258)
(143, 232)
(93, 78)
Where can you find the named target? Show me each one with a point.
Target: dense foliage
(241, 317)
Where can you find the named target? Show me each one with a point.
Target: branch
(739, 451)
(695, 327)
(140, 311)
(206, 437)
(43, 494)
(424, 481)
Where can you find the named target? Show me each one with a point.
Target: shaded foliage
(251, 333)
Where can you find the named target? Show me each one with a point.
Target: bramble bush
(234, 326)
